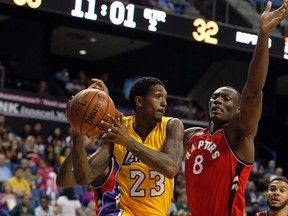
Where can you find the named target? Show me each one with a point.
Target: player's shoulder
(172, 122)
(189, 132)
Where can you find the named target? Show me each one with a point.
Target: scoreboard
(133, 16)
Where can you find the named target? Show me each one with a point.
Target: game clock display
(133, 16)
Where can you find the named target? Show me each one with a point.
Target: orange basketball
(87, 108)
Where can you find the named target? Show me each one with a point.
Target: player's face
(155, 102)
(223, 105)
(277, 195)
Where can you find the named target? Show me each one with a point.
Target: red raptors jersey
(215, 177)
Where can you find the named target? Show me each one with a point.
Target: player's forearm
(65, 177)
(81, 167)
(156, 160)
(259, 65)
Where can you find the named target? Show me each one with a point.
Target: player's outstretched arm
(243, 129)
(251, 106)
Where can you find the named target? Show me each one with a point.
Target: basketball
(87, 108)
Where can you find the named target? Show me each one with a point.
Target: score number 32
(205, 31)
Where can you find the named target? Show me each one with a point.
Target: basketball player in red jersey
(277, 198)
(220, 157)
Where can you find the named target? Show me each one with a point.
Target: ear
(238, 109)
(138, 101)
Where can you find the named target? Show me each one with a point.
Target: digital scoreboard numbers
(150, 20)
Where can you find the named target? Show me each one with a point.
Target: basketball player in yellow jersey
(147, 149)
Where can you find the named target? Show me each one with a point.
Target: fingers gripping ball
(87, 108)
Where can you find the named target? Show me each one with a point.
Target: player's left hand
(269, 20)
(116, 131)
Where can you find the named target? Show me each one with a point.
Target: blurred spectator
(253, 199)
(45, 208)
(182, 205)
(84, 80)
(57, 140)
(278, 172)
(23, 209)
(40, 143)
(255, 207)
(29, 177)
(13, 153)
(26, 131)
(173, 209)
(74, 86)
(5, 172)
(87, 196)
(8, 199)
(166, 6)
(90, 209)
(30, 150)
(19, 184)
(63, 75)
(37, 129)
(43, 88)
(270, 169)
(5, 144)
(68, 204)
(52, 189)
(43, 174)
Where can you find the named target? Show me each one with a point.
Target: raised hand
(269, 20)
(99, 84)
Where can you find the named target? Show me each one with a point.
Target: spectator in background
(30, 150)
(270, 169)
(277, 198)
(5, 172)
(84, 80)
(19, 185)
(278, 172)
(23, 209)
(45, 208)
(253, 199)
(29, 177)
(68, 204)
(37, 129)
(43, 174)
(26, 131)
(74, 86)
(63, 75)
(43, 88)
(8, 199)
(166, 6)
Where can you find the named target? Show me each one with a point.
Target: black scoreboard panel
(132, 16)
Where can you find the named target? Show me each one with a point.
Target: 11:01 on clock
(118, 13)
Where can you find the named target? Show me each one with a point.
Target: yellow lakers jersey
(142, 190)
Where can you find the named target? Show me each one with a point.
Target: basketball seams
(107, 107)
(87, 108)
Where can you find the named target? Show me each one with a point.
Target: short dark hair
(141, 87)
(279, 178)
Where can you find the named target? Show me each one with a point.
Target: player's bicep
(174, 140)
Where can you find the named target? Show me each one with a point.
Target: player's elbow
(171, 172)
